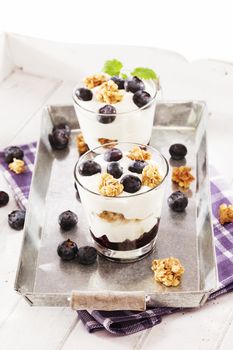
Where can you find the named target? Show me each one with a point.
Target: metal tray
(43, 279)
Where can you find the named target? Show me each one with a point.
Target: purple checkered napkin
(128, 322)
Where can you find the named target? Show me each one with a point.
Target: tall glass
(124, 228)
(134, 126)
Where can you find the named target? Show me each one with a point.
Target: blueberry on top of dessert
(137, 166)
(115, 169)
(67, 220)
(177, 201)
(89, 167)
(134, 84)
(86, 255)
(16, 219)
(67, 250)
(141, 98)
(13, 152)
(4, 198)
(84, 94)
(131, 183)
(106, 115)
(178, 151)
(113, 155)
(119, 81)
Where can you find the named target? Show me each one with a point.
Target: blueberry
(141, 98)
(106, 116)
(113, 155)
(67, 250)
(4, 198)
(131, 183)
(119, 81)
(88, 168)
(177, 201)
(137, 166)
(64, 127)
(16, 219)
(13, 152)
(59, 139)
(134, 84)
(87, 255)
(115, 169)
(67, 220)
(178, 151)
(84, 94)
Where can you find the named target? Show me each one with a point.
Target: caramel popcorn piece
(225, 213)
(81, 145)
(102, 141)
(167, 271)
(94, 80)
(109, 93)
(137, 153)
(182, 176)
(17, 166)
(109, 186)
(151, 176)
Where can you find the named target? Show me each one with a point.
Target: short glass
(133, 234)
(134, 126)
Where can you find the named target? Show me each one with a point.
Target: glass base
(127, 255)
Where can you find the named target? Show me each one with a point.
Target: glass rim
(125, 196)
(75, 99)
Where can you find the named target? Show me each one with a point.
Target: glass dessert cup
(131, 126)
(124, 228)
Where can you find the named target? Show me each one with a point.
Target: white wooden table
(34, 73)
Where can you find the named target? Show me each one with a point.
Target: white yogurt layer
(133, 125)
(141, 209)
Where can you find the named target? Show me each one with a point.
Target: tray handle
(108, 300)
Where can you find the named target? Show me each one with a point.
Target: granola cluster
(167, 271)
(109, 186)
(103, 141)
(182, 176)
(137, 153)
(94, 80)
(81, 145)
(109, 93)
(151, 176)
(225, 213)
(17, 166)
(110, 216)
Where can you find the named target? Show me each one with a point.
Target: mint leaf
(112, 67)
(144, 73)
(124, 76)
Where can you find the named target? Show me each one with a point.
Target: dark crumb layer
(145, 239)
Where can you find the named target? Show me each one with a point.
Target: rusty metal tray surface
(43, 279)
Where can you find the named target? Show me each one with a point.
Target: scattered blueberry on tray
(131, 183)
(137, 166)
(4, 198)
(134, 84)
(62, 126)
(86, 255)
(115, 170)
(178, 151)
(13, 152)
(106, 114)
(177, 201)
(119, 81)
(113, 155)
(84, 94)
(59, 139)
(88, 168)
(67, 220)
(67, 250)
(141, 98)
(16, 219)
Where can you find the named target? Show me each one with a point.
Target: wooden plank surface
(59, 328)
